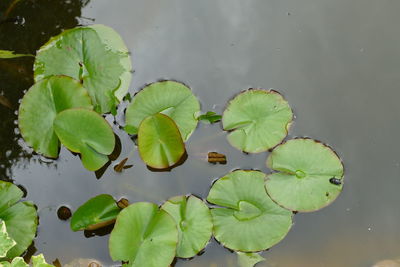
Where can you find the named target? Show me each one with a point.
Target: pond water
(336, 62)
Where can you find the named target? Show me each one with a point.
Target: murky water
(336, 62)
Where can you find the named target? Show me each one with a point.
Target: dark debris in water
(64, 213)
(215, 157)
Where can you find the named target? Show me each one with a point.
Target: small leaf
(306, 170)
(39, 261)
(11, 54)
(248, 220)
(143, 235)
(20, 218)
(257, 120)
(94, 55)
(210, 116)
(249, 259)
(193, 219)
(41, 104)
(6, 242)
(159, 141)
(97, 212)
(86, 132)
(170, 98)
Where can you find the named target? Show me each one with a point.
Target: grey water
(336, 62)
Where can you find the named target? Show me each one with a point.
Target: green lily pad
(249, 220)
(171, 98)
(40, 106)
(97, 212)
(39, 261)
(20, 218)
(86, 132)
(6, 242)
(95, 55)
(257, 120)
(249, 259)
(144, 236)
(159, 141)
(16, 262)
(304, 178)
(193, 218)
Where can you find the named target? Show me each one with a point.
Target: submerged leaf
(40, 106)
(86, 132)
(249, 259)
(257, 120)
(95, 55)
(143, 235)
(20, 218)
(97, 212)
(210, 116)
(6, 242)
(309, 175)
(193, 219)
(11, 54)
(159, 142)
(249, 220)
(171, 98)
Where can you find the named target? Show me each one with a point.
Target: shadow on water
(25, 25)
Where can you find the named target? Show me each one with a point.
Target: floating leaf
(171, 98)
(193, 219)
(257, 120)
(40, 106)
(95, 55)
(210, 116)
(86, 132)
(97, 212)
(16, 262)
(11, 54)
(6, 242)
(249, 220)
(304, 181)
(20, 218)
(249, 259)
(144, 236)
(39, 261)
(159, 142)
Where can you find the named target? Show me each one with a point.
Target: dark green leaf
(97, 212)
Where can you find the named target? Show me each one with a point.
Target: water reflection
(24, 27)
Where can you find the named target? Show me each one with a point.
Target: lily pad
(97, 212)
(304, 178)
(37, 261)
(249, 259)
(193, 218)
(40, 106)
(143, 235)
(257, 120)
(20, 218)
(6, 242)
(16, 262)
(159, 142)
(171, 98)
(86, 132)
(249, 220)
(95, 55)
